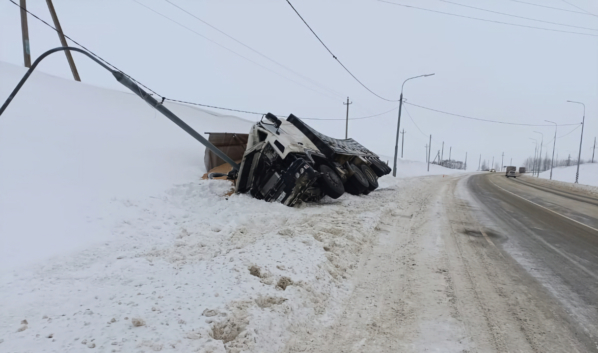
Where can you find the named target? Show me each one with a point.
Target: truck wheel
(379, 168)
(357, 183)
(332, 184)
(370, 175)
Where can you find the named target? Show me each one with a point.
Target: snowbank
(69, 151)
(109, 240)
(588, 174)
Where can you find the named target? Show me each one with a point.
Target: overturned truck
(282, 160)
(287, 161)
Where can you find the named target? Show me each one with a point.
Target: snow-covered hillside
(71, 153)
(110, 240)
(588, 174)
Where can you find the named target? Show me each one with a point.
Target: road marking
(548, 209)
(577, 264)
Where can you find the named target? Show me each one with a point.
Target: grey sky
(483, 70)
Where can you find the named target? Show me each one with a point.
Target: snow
(588, 174)
(110, 240)
(69, 151)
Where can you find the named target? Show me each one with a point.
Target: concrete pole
(429, 149)
(347, 125)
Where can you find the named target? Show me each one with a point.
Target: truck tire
(370, 175)
(332, 184)
(379, 168)
(357, 183)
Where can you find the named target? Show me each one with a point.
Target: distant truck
(511, 172)
(521, 170)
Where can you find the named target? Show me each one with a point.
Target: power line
(82, 46)
(213, 106)
(413, 121)
(335, 58)
(363, 117)
(479, 119)
(510, 15)
(232, 51)
(133, 79)
(485, 20)
(254, 50)
(550, 7)
(577, 7)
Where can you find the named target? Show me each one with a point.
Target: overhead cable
(550, 7)
(480, 119)
(363, 117)
(336, 58)
(254, 50)
(232, 51)
(485, 20)
(577, 7)
(413, 121)
(82, 46)
(510, 15)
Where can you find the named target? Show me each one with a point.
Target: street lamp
(394, 172)
(580, 139)
(553, 146)
(540, 155)
(535, 154)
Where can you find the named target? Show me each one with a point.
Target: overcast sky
(484, 70)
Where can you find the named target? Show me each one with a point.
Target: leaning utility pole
(402, 142)
(69, 57)
(429, 149)
(25, 34)
(347, 127)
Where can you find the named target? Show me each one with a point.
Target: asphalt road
(553, 235)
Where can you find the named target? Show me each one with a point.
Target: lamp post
(535, 154)
(553, 146)
(540, 155)
(394, 171)
(580, 139)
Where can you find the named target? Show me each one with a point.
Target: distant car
(492, 170)
(521, 170)
(511, 172)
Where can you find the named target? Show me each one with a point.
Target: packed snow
(110, 239)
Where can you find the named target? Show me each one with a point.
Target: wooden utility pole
(450, 152)
(403, 144)
(25, 34)
(69, 57)
(347, 127)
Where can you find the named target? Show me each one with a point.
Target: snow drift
(110, 240)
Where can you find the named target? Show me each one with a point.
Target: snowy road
(457, 269)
